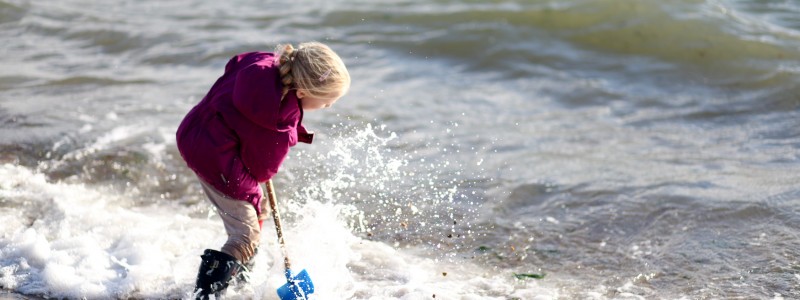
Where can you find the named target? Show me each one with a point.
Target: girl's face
(311, 103)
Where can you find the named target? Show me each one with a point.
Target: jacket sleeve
(264, 155)
(256, 97)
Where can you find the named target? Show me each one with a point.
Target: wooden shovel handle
(273, 204)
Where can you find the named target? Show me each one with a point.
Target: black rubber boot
(215, 273)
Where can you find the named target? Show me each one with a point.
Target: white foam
(73, 241)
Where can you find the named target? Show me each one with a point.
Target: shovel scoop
(297, 287)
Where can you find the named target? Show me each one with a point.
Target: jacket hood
(257, 92)
(257, 95)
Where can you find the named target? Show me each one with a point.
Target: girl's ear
(301, 94)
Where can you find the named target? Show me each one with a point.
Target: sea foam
(78, 241)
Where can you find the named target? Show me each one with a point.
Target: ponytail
(286, 54)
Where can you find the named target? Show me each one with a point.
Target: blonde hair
(313, 67)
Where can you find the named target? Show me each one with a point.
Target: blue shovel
(299, 286)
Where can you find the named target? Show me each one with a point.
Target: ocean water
(635, 149)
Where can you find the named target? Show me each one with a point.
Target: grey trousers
(241, 223)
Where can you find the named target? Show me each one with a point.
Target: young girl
(241, 132)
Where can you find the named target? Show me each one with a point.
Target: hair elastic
(325, 75)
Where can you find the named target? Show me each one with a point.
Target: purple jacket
(241, 131)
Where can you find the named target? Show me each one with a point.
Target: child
(240, 133)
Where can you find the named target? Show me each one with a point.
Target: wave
(10, 12)
(707, 37)
(74, 241)
(92, 81)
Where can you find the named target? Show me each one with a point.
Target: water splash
(387, 195)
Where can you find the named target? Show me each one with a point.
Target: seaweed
(522, 276)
